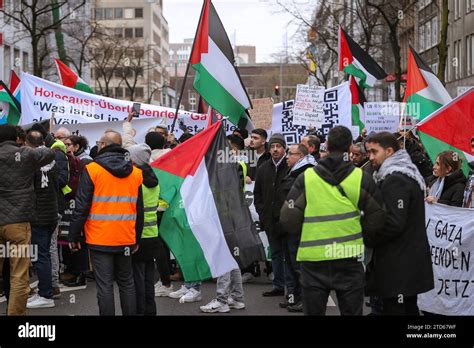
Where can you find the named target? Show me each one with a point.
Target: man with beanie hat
(143, 260)
(268, 204)
(157, 144)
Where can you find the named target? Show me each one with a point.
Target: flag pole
(187, 71)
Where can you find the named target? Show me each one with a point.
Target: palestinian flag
(70, 79)
(358, 101)
(10, 101)
(356, 62)
(424, 92)
(451, 127)
(208, 225)
(217, 79)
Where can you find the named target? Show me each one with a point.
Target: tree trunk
(397, 60)
(442, 46)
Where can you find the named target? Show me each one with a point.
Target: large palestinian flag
(208, 225)
(450, 128)
(356, 62)
(358, 101)
(217, 79)
(424, 93)
(70, 79)
(10, 98)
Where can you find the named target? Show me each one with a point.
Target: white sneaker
(162, 290)
(179, 293)
(37, 301)
(191, 296)
(233, 304)
(247, 278)
(215, 306)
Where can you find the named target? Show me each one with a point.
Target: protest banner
(93, 131)
(337, 111)
(450, 233)
(261, 113)
(381, 117)
(308, 106)
(40, 98)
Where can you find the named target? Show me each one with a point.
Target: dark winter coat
(453, 189)
(253, 169)
(46, 193)
(17, 168)
(113, 159)
(266, 198)
(401, 262)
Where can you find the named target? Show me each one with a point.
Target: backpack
(75, 170)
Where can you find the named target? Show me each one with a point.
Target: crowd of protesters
(330, 208)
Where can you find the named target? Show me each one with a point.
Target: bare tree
(392, 13)
(35, 17)
(443, 43)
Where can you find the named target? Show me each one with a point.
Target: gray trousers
(53, 249)
(107, 267)
(230, 285)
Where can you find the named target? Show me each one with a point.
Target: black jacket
(401, 262)
(453, 189)
(148, 249)
(62, 164)
(287, 184)
(266, 198)
(17, 168)
(370, 200)
(113, 159)
(46, 193)
(253, 168)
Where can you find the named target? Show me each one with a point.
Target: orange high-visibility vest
(113, 212)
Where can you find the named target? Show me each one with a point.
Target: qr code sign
(292, 133)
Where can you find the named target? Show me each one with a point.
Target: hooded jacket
(17, 168)
(370, 200)
(113, 159)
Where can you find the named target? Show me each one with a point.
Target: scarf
(400, 162)
(309, 159)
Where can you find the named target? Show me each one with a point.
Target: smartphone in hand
(136, 109)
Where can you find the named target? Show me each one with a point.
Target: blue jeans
(281, 273)
(41, 237)
(193, 285)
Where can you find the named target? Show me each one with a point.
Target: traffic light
(277, 90)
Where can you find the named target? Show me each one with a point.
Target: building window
(118, 32)
(428, 35)
(457, 9)
(457, 60)
(421, 37)
(434, 31)
(139, 12)
(25, 61)
(99, 14)
(6, 62)
(129, 13)
(118, 92)
(470, 55)
(128, 32)
(118, 13)
(138, 32)
(128, 93)
(108, 13)
(139, 92)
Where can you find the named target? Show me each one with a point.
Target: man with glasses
(299, 159)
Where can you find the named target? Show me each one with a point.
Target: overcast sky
(251, 22)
